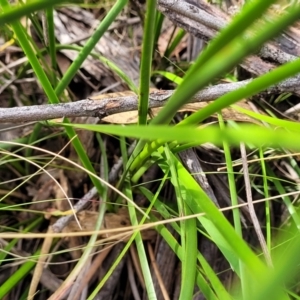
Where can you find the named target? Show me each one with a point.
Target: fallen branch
(205, 21)
(114, 103)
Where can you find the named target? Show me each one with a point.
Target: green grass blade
(138, 237)
(247, 133)
(16, 12)
(189, 259)
(194, 194)
(266, 195)
(105, 61)
(271, 120)
(15, 278)
(213, 279)
(286, 199)
(12, 243)
(231, 182)
(89, 46)
(179, 36)
(51, 43)
(170, 76)
(188, 233)
(146, 61)
(200, 279)
(158, 26)
(252, 11)
(151, 294)
(286, 264)
(211, 282)
(234, 202)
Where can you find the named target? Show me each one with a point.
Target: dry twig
(114, 103)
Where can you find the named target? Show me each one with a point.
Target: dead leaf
(227, 113)
(121, 219)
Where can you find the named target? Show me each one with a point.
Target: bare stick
(110, 104)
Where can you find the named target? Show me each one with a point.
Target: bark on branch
(114, 103)
(204, 21)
